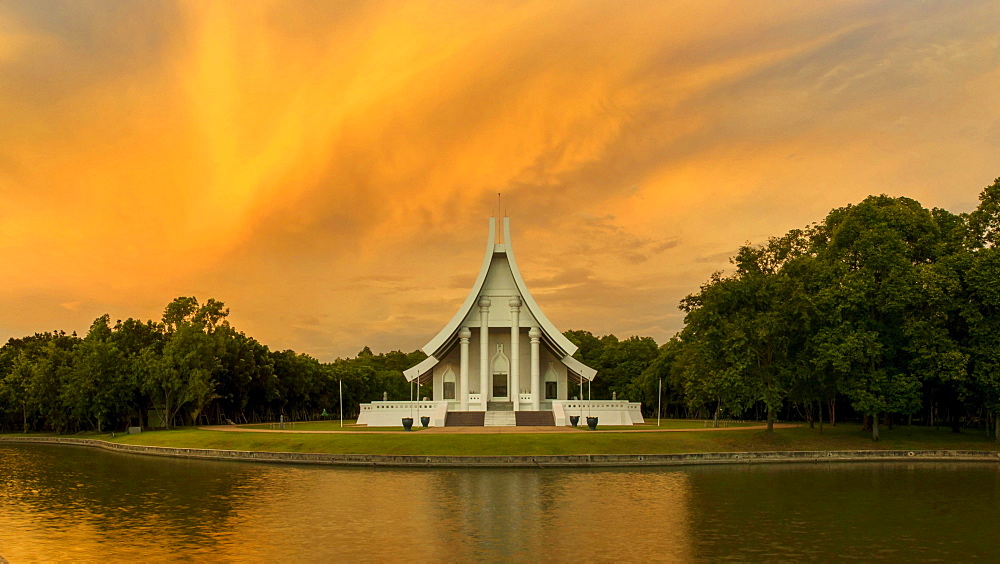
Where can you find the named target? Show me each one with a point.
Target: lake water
(77, 503)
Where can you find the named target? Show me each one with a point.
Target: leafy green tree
(94, 393)
(878, 245)
(182, 373)
(744, 328)
(664, 371)
(244, 365)
(131, 337)
(981, 308)
(984, 222)
(15, 386)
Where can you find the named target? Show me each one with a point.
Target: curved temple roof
(443, 341)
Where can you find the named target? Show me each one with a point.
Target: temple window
(501, 368)
(449, 384)
(551, 383)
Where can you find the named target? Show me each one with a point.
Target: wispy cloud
(327, 168)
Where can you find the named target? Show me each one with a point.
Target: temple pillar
(463, 386)
(484, 349)
(536, 386)
(515, 351)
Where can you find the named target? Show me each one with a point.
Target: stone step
(499, 406)
(464, 419)
(500, 419)
(535, 418)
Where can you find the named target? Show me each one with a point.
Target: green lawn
(671, 424)
(843, 437)
(327, 426)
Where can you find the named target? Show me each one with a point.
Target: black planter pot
(425, 421)
(592, 423)
(574, 420)
(408, 423)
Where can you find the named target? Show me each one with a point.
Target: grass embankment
(351, 425)
(673, 424)
(842, 437)
(325, 426)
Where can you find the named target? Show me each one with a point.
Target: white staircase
(500, 419)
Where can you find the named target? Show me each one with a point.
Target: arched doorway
(501, 374)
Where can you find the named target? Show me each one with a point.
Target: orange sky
(326, 169)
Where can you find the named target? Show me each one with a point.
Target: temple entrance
(499, 385)
(501, 369)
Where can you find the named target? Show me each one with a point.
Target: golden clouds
(281, 156)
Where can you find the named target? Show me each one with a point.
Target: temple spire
(500, 214)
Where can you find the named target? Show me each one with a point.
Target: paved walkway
(360, 429)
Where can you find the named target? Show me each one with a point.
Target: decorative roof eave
(425, 366)
(442, 339)
(578, 367)
(562, 344)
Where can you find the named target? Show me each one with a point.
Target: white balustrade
(609, 412)
(391, 413)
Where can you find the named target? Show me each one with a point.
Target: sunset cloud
(326, 169)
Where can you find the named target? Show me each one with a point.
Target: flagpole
(341, 386)
(659, 395)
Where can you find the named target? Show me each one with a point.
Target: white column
(463, 385)
(536, 386)
(484, 349)
(515, 350)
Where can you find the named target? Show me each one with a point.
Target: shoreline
(525, 461)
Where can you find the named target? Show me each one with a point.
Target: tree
(981, 312)
(664, 371)
(14, 388)
(877, 246)
(744, 327)
(244, 365)
(984, 222)
(95, 391)
(183, 372)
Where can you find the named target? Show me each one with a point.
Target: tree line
(190, 367)
(884, 311)
(886, 305)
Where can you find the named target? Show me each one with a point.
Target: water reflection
(550, 514)
(921, 511)
(66, 503)
(68, 498)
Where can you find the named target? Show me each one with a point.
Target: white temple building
(500, 361)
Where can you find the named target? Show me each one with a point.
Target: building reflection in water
(547, 514)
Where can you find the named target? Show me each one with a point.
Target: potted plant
(425, 421)
(592, 423)
(408, 423)
(574, 420)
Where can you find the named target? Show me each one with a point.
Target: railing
(389, 413)
(397, 405)
(600, 404)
